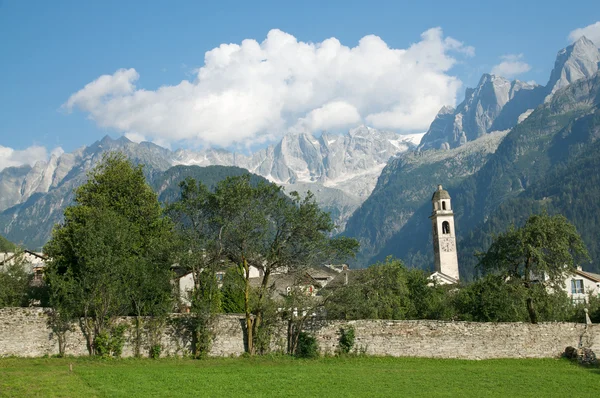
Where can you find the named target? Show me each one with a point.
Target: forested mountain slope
(539, 164)
(31, 222)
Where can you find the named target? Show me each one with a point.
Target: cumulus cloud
(592, 32)
(511, 66)
(10, 157)
(254, 92)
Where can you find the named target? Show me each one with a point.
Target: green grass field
(287, 377)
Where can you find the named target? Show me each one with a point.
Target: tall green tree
(15, 281)
(261, 227)
(110, 256)
(539, 254)
(256, 225)
(198, 255)
(377, 292)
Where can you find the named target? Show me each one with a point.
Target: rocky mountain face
(549, 161)
(340, 169)
(498, 178)
(498, 104)
(350, 162)
(404, 185)
(578, 61)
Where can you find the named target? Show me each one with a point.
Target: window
(577, 286)
(443, 205)
(445, 227)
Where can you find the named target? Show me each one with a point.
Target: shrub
(106, 343)
(307, 346)
(155, 351)
(346, 340)
(102, 344)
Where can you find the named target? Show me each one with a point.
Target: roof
(4, 257)
(440, 194)
(590, 275)
(443, 278)
(31, 261)
(322, 272)
(280, 282)
(346, 277)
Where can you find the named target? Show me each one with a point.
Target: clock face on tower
(447, 244)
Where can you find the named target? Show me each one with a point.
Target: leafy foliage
(541, 253)
(232, 291)
(346, 339)
(15, 282)
(388, 291)
(307, 346)
(6, 245)
(256, 225)
(110, 257)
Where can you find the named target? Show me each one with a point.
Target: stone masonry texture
(24, 332)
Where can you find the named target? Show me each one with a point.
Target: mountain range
(341, 170)
(508, 149)
(499, 104)
(495, 178)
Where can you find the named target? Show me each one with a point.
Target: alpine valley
(509, 149)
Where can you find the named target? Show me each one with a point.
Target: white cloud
(135, 137)
(253, 92)
(10, 157)
(333, 115)
(592, 32)
(511, 66)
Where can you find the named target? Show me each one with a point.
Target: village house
(580, 284)
(33, 262)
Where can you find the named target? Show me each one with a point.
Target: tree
(538, 255)
(110, 256)
(377, 292)
(193, 214)
(261, 227)
(15, 281)
(232, 291)
(256, 225)
(6, 245)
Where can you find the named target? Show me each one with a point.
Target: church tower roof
(441, 193)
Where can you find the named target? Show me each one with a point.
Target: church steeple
(444, 236)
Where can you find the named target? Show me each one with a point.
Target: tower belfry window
(445, 227)
(443, 205)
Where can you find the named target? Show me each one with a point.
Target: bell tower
(444, 237)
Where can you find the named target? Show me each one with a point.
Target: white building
(580, 284)
(32, 262)
(444, 238)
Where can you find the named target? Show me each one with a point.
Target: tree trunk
(62, 343)
(531, 310)
(289, 336)
(138, 336)
(249, 320)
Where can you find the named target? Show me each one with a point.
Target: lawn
(286, 377)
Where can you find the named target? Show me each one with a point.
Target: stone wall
(24, 332)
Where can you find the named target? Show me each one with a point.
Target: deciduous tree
(541, 253)
(110, 255)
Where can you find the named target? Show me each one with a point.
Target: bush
(155, 351)
(346, 340)
(307, 346)
(106, 343)
(102, 344)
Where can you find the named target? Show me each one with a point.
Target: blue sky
(52, 50)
